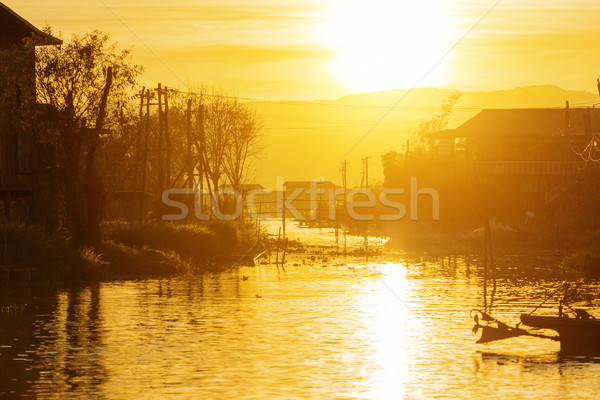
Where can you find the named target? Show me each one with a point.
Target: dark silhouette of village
(534, 171)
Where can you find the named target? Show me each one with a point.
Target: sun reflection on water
(390, 332)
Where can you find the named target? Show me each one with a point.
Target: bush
(54, 256)
(124, 262)
(196, 242)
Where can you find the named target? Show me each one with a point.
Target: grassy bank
(126, 251)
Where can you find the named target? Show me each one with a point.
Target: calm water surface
(395, 328)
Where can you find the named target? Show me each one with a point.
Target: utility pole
(161, 177)
(344, 170)
(362, 173)
(201, 149)
(167, 139)
(188, 159)
(138, 151)
(367, 171)
(344, 185)
(145, 154)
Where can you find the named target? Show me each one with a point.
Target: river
(396, 327)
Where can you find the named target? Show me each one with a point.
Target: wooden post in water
(283, 212)
(485, 270)
(277, 251)
(337, 239)
(258, 223)
(285, 243)
(491, 260)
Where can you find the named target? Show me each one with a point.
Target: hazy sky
(327, 48)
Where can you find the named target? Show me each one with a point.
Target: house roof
(13, 29)
(536, 122)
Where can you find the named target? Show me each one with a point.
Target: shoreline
(125, 252)
(158, 250)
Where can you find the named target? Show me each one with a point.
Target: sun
(386, 44)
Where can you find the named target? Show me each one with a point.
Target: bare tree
(243, 146)
(231, 135)
(218, 121)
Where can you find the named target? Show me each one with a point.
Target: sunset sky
(308, 49)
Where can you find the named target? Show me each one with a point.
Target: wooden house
(18, 151)
(530, 159)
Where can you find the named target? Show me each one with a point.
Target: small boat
(578, 331)
(578, 336)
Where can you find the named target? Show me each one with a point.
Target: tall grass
(54, 256)
(127, 251)
(124, 262)
(197, 242)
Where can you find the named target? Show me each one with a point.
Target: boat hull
(577, 336)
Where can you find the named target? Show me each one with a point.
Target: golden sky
(307, 49)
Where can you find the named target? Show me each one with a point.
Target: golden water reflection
(341, 329)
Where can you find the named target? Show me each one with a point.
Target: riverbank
(126, 251)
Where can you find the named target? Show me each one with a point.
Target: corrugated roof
(13, 29)
(528, 122)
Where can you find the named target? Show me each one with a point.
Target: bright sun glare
(385, 44)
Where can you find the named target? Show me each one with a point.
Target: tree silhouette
(88, 84)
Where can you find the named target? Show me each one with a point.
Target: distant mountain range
(520, 97)
(309, 139)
